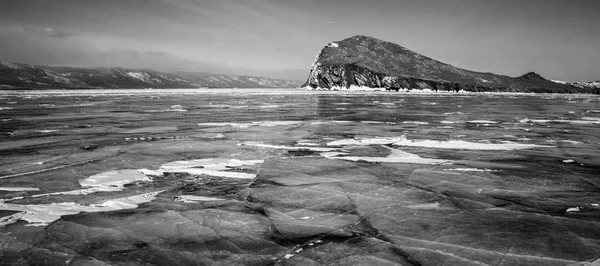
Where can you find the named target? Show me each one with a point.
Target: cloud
(46, 48)
(329, 22)
(50, 32)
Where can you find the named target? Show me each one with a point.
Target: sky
(558, 39)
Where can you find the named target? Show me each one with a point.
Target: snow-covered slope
(591, 84)
(13, 75)
(232, 81)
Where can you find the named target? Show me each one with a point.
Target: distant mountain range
(362, 62)
(23, 76)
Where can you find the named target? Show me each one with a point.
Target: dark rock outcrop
(367, 62)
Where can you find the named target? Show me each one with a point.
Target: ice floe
(43, 214)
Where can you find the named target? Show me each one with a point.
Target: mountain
(591, 84)
(365, 62)
(14, 76)
(210, 80)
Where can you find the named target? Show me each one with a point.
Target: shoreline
(267, 91)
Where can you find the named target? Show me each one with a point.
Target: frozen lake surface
(277, 176)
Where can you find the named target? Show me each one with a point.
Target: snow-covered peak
(10, 65)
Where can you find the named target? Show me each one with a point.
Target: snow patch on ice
(251, 124)
(330, 122)
(213, 167)
(470, 170)
(545, 121)
(365, 141)
(395, 156)
(14, 189)
(104, 182)
(43, 214)
(194, 199)
(415, 122)
(482, 122)
(465, 145)
(291, 148)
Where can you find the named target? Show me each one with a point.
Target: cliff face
(368, 63)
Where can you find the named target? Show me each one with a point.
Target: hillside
(368, 62)
(23, 76)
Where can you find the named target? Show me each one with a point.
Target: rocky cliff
(15, 76)
(362, 62)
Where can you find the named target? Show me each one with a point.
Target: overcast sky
(559, 39)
